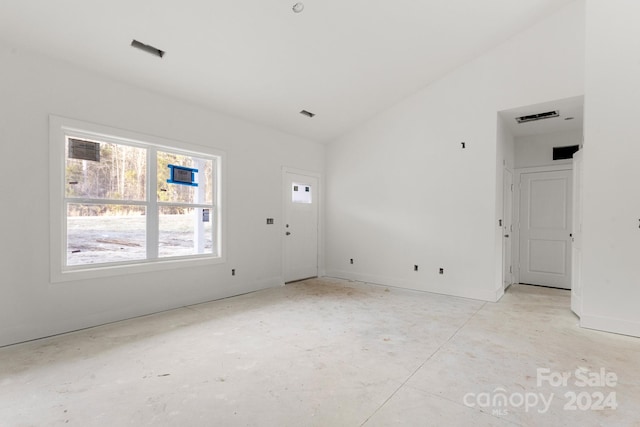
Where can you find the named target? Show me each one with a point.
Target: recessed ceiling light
(298, 7)
(569, 118)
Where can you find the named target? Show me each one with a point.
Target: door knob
(288, 233)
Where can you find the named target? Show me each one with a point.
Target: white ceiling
(569, 108)
(256, 59)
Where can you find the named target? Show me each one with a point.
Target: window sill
(87, 273)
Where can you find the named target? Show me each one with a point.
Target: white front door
(576, 247)
(300, 226)
(507, 229)
(545, 228)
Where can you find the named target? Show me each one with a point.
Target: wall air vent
(307, 113)
(564, 153)
(148, 48)
(539, 116)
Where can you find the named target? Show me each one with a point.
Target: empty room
(320, 213)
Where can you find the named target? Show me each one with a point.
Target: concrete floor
(327, 352)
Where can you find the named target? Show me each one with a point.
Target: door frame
(576, 255)
(319, 197)
(515, 244)
(508, 212)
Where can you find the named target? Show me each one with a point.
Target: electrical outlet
(351, 261)
(233, 271)
(269, 221)
(415, 267)
(442, 271)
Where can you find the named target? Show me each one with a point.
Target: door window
(301, 193)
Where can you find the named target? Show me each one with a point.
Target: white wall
(400, 189)
(537, 150)
(611, 222)
(506, 146)
(31, 88)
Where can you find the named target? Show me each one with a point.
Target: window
(300, 193)
(122, 202)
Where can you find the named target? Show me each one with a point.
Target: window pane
(185, 231)
(118, 173)
(99, 234)
(172, 192)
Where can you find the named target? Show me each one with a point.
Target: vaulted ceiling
(345, 61)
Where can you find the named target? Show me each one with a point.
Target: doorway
(533, 143)
(301, 200)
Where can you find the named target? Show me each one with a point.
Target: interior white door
(576, 247)
(507, 229)
(300, 226)
(545, 228)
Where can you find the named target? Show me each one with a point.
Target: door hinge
(511, 269)
(511, 187)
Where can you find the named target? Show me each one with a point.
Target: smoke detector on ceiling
(539, 116)
(298, 7)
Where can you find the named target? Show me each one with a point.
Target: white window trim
(58, 128)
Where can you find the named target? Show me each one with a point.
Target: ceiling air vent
(147, 48)
(539, 116)
(307, 113)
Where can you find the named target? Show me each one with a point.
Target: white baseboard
(610, 324)
(271, 282)
(464, 292)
